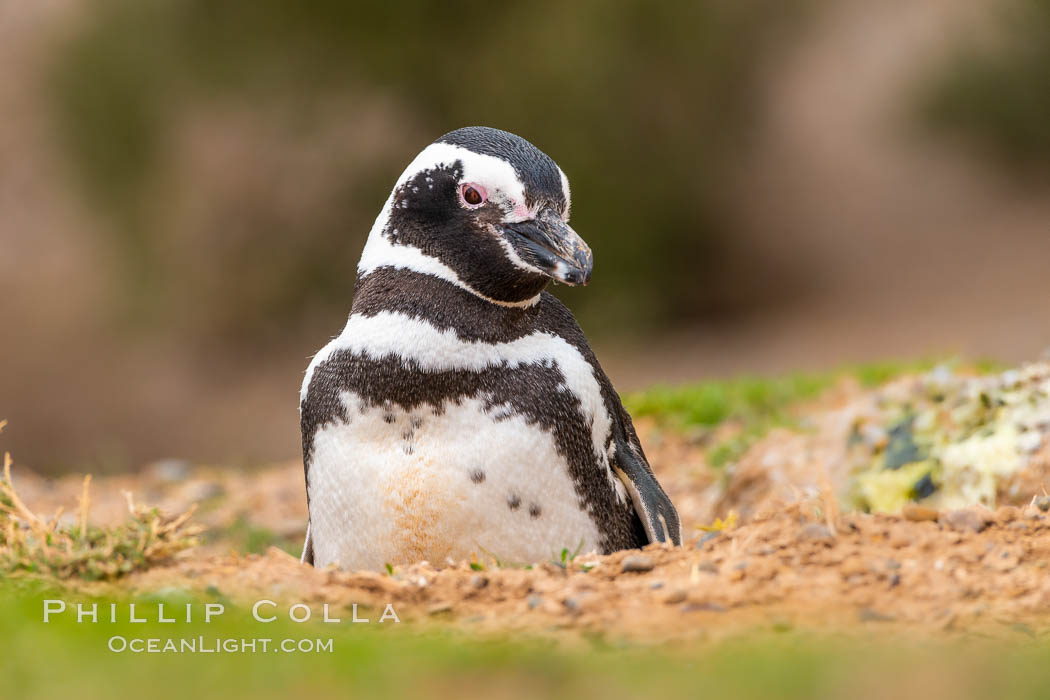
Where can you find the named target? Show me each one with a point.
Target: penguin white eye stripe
(567, 193)
(495, 173)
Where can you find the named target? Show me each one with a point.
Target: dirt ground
(793, 569)
(782, 557)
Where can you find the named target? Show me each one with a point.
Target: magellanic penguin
(461, 411)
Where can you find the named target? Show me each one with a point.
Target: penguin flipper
(653, 507)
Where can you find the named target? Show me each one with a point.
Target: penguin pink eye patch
(472, 195)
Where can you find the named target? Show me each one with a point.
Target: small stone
(1023, 628)
(534, 602)
(817, 532)
(965, 520)
(872, 615)
(708, 537)
(707, 567)
(1029, 442)
(656, 585)
(169, 470)
(637, 563)
(898, 540)
(197, 491)
(918, 514)
(1007, 514)
(675, 597)
(1043, 503)
(707, 606)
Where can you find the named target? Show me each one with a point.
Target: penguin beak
(550, 244)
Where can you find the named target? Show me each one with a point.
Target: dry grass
(54, 547)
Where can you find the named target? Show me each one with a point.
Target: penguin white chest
(467, 477)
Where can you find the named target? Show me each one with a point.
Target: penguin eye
(472, 195)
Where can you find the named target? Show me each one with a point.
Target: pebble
(872, 615)
(169, 470)
(1043, 503)
(1007, 514)
(708, 537)
(899, 540)
(1029, 442)
(675, 597)
(965, 520)
(708, 606)
(918, 514)
(637, 563)
(656, 585)
(707, 567)
(439, 609)
(534, 602)
(197, 491)
(817, 532)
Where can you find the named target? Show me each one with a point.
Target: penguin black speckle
(451, 321)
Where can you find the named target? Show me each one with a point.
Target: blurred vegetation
(37, 547)
(755, 405)
(998, 93)
(417, 659)
(643, 104)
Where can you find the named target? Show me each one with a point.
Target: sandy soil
(793, 569)
(787, 559)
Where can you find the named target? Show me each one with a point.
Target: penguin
(461, 411)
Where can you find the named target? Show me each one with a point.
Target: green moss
(245, 536)
(711, 403)
(759, 404)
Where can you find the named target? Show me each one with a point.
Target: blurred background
(185, 187)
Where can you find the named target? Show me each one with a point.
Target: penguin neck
(442, 304)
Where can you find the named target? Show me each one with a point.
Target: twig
(84, 502)
(9, 489)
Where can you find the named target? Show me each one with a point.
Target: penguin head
(484, 209)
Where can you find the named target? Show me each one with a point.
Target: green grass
(66, 659)
(249, 538)
(37, 546)
(758, 404)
